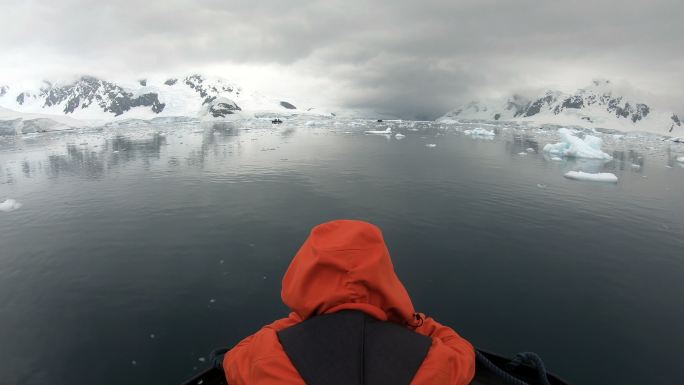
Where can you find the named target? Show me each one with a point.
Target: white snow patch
(573, 146)
(586, 176)
(9, 205)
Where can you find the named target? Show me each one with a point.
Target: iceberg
(388, 131)
(573, 146)
(586, 176)
(480, 132)
(9, 205)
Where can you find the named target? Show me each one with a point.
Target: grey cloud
(410, 58)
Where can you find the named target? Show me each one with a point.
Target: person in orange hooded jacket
(345, 265)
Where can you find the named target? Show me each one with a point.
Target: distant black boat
(276, 121)
(379, 120)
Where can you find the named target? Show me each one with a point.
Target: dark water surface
(138, 250)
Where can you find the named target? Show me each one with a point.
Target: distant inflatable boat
(491, 369)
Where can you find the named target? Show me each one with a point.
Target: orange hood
(343, 265)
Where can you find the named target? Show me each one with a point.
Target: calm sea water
(138, 250)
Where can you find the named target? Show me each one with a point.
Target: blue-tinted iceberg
(576, 147)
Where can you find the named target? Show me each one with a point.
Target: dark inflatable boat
(492, 369)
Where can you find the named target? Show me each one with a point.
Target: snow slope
(596, 106)
(14, 122)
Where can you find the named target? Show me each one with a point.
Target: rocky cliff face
(88, 92)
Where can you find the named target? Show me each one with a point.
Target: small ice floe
(430, 145)
(10, 205)
(680, 159)
(399, 136)
(134, 362)
(586, 176)
(212, 300)
(201, 359)
(388, 131)
(152, 336)
(573, 146)
(522, 153)
(636, 167)
(557, 158)
(530, 149)
(541, 185)
(480, 133)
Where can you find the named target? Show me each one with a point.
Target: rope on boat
(526, 357)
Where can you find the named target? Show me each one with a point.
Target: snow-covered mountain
(98, 100)
(596, 106)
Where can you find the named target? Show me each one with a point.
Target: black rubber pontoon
(483, 376)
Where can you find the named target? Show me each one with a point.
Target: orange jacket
(345, 265)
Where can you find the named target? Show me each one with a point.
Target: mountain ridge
(91, 98)
(597, 106)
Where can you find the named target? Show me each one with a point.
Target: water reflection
(93, 156)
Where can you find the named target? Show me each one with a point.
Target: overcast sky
(416, 59)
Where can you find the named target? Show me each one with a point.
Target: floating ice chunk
(530, 149)
(201, 359)
(399, 136)
(430, 145)
(540, 185)
(388, 131)
(152, 336)
(9, 205)
(480, 132)
(573, 146)
(598, 177)
(680, 159)
(522, 153)
(556, 158)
